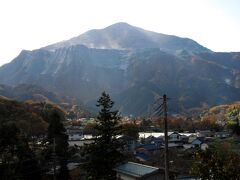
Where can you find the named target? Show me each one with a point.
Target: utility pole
(166, 137)
(162, 110)
(54, 159)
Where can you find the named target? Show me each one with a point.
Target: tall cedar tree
(105, 152)
(57, 131)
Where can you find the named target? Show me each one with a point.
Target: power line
(166, 137)
(160, 109)
(157, 109)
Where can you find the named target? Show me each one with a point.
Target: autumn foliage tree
(233, 116)
(218, 163)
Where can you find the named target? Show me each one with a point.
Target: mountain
(35, 94)
(134, 65)
(71, 71)
(124, 36)
(25, 92)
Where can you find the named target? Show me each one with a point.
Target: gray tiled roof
(135, 169)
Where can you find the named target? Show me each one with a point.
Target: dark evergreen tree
(105, 152)
(57, 137)
(18, 159)
(8, 139)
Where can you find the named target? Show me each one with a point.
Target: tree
(233, 116)
(18, 160)
(104, 153)
(145, 124)
(27, 167)
(8, 138)
(218, 163)
(57, 137)
(131, 130)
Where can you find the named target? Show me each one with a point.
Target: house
(147, 152)
(175, 140)
(154, 140)
(130, 143)
(141, 156)
(222, 134)
(175, 145)
(187, 146)
(75, 133)
(199, 143)
(204, 146)
(149, 149)
(184, 139)
(70, 166)
(81, 142)
(191, 138)
(174, 137)
(136, 171)
(149, 139)
(196, 142)
(158, 141)
(205, 133)
(74, 137)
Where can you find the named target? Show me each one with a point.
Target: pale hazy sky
(31, 24)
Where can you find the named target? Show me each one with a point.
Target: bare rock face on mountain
(134, 65)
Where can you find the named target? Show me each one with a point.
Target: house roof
(126, 138)
(196, 141)
(171, 133)
(142, 156)
(149, 147)
(136, 169)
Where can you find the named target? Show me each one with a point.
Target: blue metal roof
(143, 156)
(149, 147)
(135, 169)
